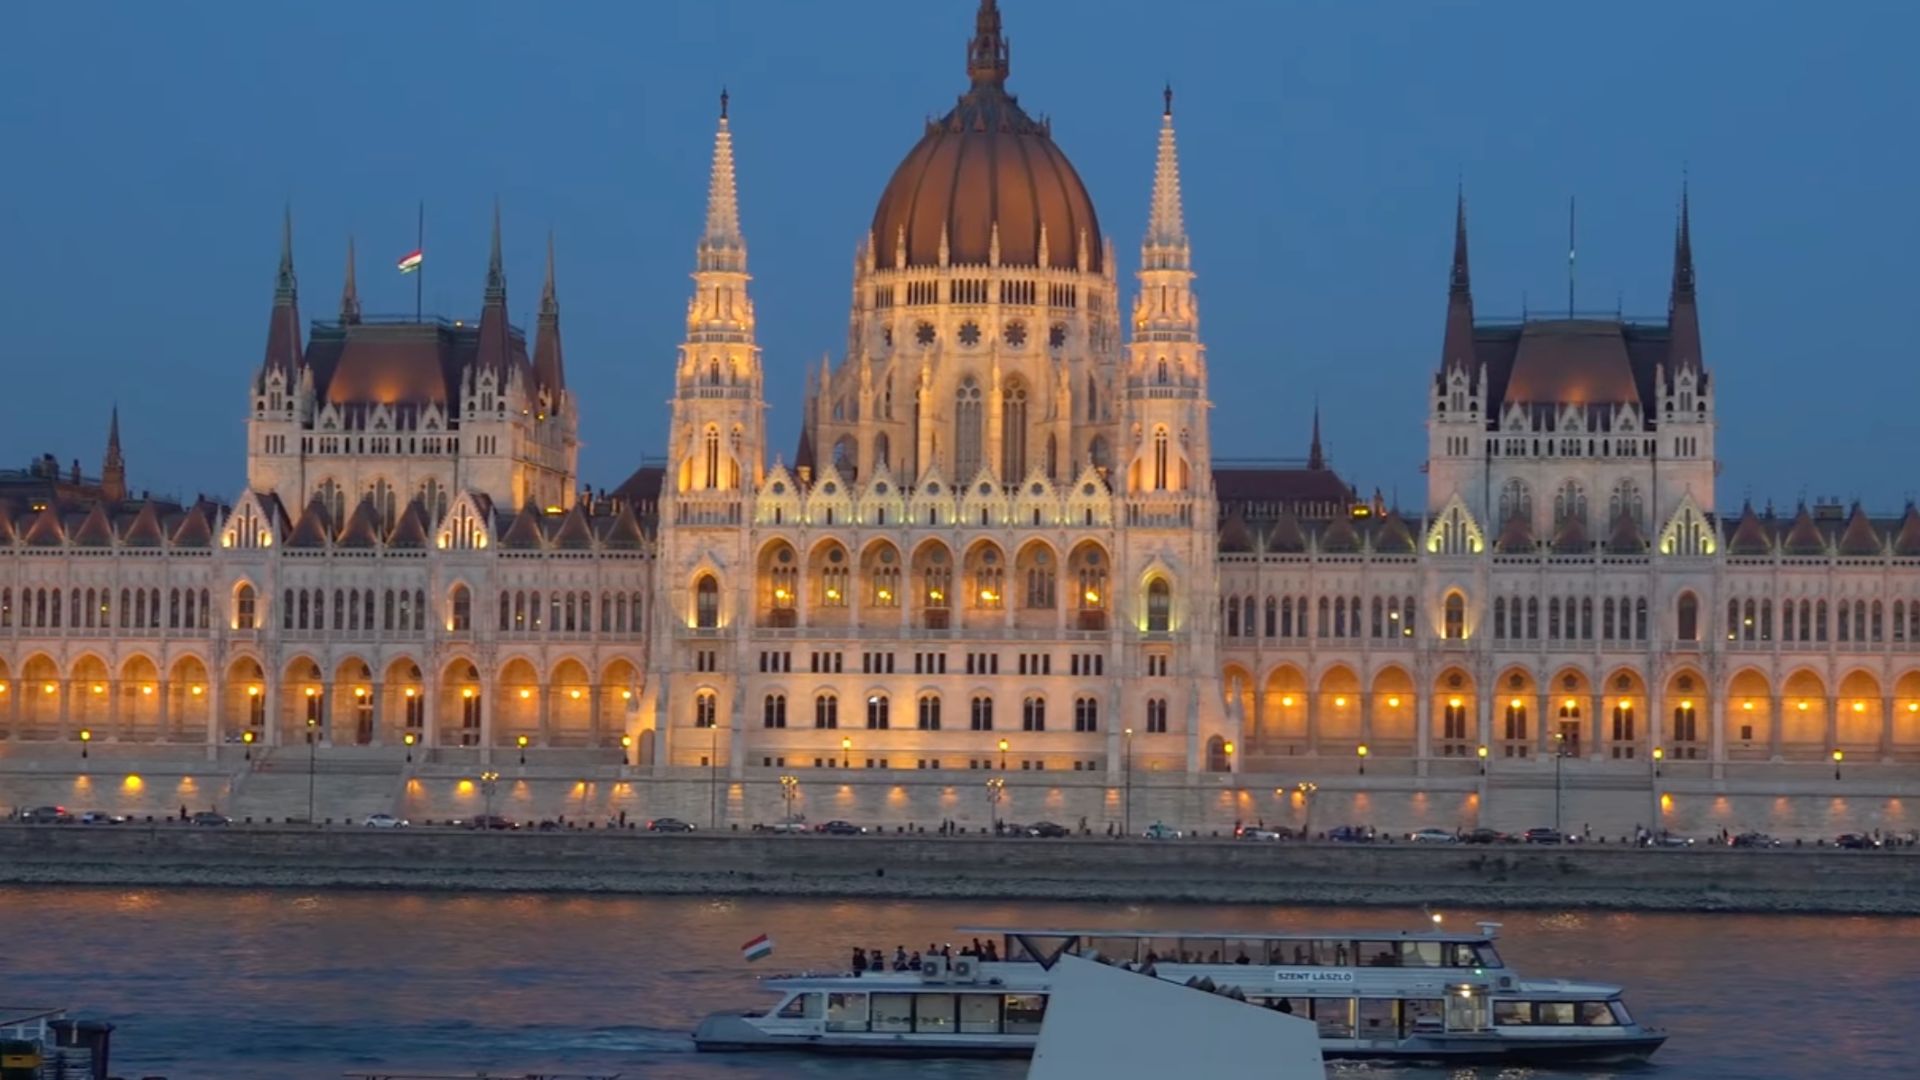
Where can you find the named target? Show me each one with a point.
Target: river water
(245, 984)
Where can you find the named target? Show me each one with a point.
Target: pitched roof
(144, 530)
(1571, 537)
(411, 530)
(1804, 537)
(1393, 537)
(1516, 536)
(1907, 540)
(1286, 534)
(1234, 537)
(624, 530)
(1750, 536)
(195, 529)
(96, 530)
(1340, 537)
(575, 532)
(46, 530)
(1859, 539)
(1626, 538)
(315, 528)
(525, 532)
(363, 526)
(6, 524)
(1279, 485)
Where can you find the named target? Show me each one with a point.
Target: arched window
(982, 719)
(1233, 616)
(1453, 720)
(1159, 459)
(969, 425)
(1273, 612)
(706, 608)
(1689, 617)
(1156, 716)
(706, 709)
(826, 711)
(1218, 760)
(1570, 502)
(1013, 431)
(1159, 606)
(773, 712)
(1515, 501)
(462, 619)
(877, 712)
(882, 451)
(1516, 726)
(243, 609)
(929, 719)
(1455, 617)
(1500, 617)
(713, 456)
(1623, 724)
(1086, 714)
(1033, 714)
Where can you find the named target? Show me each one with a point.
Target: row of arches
(348, 701)
(1383, 618)
(928, 711)
(571, 611)
(1522, 713)
(105, 608)
(1847, 622)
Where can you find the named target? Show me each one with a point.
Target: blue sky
(149, 149)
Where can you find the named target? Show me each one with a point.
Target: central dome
(986, 162)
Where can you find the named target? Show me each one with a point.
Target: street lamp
(312, 724)
(788, 784)
(1559, 755)
(994, 787)
(1228, 750)
(408, 738)
(86, 736)
(1659, 755)
(489, 781)
(246, 738)
(1306, 788)
(713, 776)
(1483, 760)
(1126, 804)
(846, 752)
(521, 742)
(1838, 756)
(1003, 755)
(626, 745)
(1361, 750)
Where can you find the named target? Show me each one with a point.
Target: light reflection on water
(236, 985)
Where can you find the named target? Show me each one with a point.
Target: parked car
(1261, 832)
(837, 827)
(101, 817)
(210, 818)
(491, 821)
(1754, 840)
(1158, 831)
(786, 825)
(386, 821)
(1048, 830)
(1485, 835)
(1855, 842)
(1351, 834)
(1540, 834)
(668, 824)
(47, 815)
(1667, 839)
(1433, 836)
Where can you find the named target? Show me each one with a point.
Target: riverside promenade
(1090, 869)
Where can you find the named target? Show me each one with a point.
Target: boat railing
(28, 1024)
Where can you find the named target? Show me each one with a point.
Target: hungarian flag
(411, 261)
(759, 947)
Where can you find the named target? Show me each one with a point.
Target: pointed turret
(1315, 458)
(350, 292)
(1683, 315)
(723, 247)
(283, 326)
(1457, 348)
(1166, 245)
(549, 368)
(495, 347)
(113, 470)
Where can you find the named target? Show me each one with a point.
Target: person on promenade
(913, 962)
(899, 958)
(859, 961)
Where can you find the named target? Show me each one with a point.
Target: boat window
(1486, 956)
(1024, 1013)
(979, 1014)
(801, 1007)
(1238, 951)
(1619, 1009)
(893, 1012)
(1120, 950)
(1378, 953)
(1164, 950)
(1596, 1014)
(1334, 1017)
(1332, 953)
(1553, 1012)
(1040, 948)
(846, 1012)
(1379, 1018)
(1422, 953)
(1466, 1011)
(1512, 1013)
(1200, 950)
(934, 1013)
(1423, 1016)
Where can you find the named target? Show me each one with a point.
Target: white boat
(1424, 995)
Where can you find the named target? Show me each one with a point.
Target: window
(1690, 618)
(1086, 714)
(706, 602)
(706, 709)
(1453, 721)
(877, 709)
(1013, 431)
(1033, 714)
(968, 427)
(462, 619)
(243, 615)
(1159, 606)
(1500, 617)
(1456, 617)
(1156, 716)
(773, 712)
(929, 719)
(983, 713)
(826, 711)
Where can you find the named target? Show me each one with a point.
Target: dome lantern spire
(987, 62)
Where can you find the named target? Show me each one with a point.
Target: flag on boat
(759, 947)
(411, 261)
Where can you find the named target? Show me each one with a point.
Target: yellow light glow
(1746, 706)
(1453, 702)
(99, 689)
(465, 787)
(1570, 704)
(246, 737)
(253, 691)
(480, 540)
(1339, 703)
(1229, 749)
(1003, 746)
(521, 741)
(1658, 753)
(410, 691)
(1287, 701)
(936, 595)
(1091, 596)
(1361, 749)
(1686, 706)
(360, 691)
(1859, 706)
(886, 596)
(833, 594)
(846, 744)
(525, 694)
(626, 740)
(408, 738)
(626, 695)
(1838, 755)
(1803, 706)
(1913, 706)
(1483, 751)
(574, 693)
(133, 782)
(311, 691)
(146, 690)
(1517, 703)
(86, 735)
(988, 596)
(782, 594)
(467, 693)
(1625, 705)
(198, 690)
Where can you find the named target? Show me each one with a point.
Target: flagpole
(420, 244)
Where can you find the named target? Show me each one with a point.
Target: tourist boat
(1429, 995)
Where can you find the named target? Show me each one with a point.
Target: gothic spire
(350, 292)
(496, 272)
(723, 247)
(987, 53)
(549, 366)
(1315, 458)
(1683, 314)
(1166, 246)
(283, 324)
(113, 470)
(495, 350)
(1457, 345)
